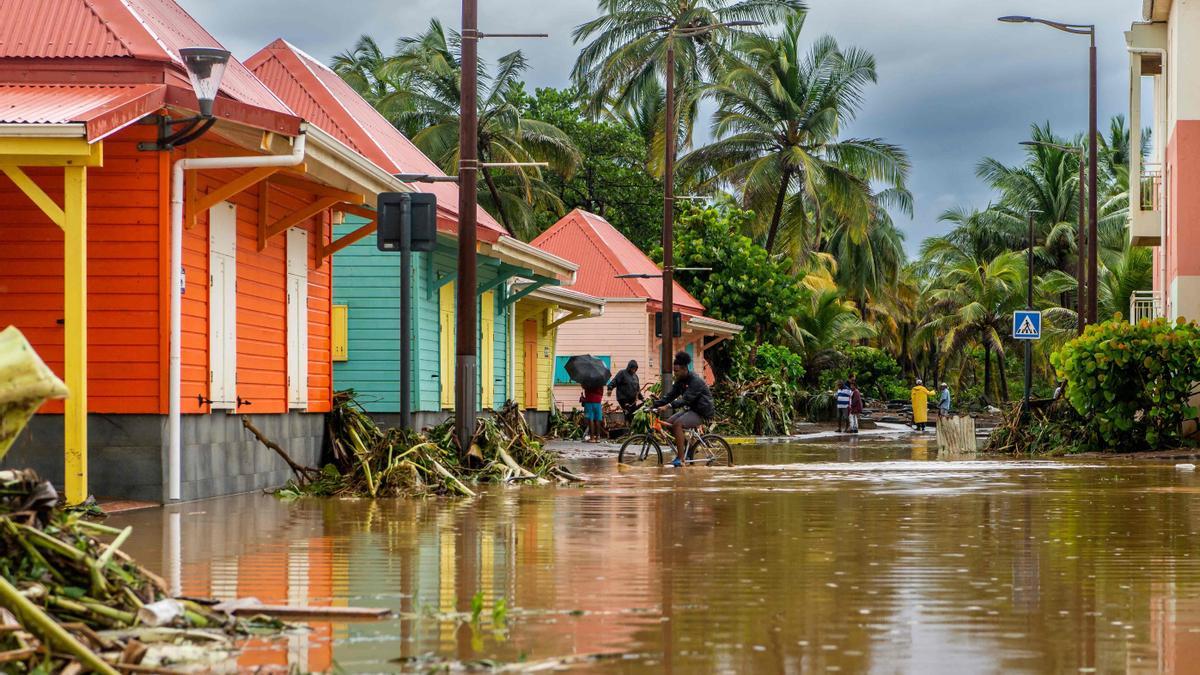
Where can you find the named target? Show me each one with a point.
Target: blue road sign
(1027, 325)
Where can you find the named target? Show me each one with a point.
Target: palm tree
(426, 69)
(974, 303)
(867, 268)
(778, 124)
(828, 323)
(627, 44)
(368, 71)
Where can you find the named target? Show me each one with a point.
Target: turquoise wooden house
(366, 282)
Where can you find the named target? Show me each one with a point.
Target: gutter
(20, 130)
(534, 258)
(174, 470)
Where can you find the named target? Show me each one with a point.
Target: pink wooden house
(626, 329)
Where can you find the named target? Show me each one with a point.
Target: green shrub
(878, 373)
(1131, 383)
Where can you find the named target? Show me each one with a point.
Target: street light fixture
(668, 237)
(205, 66)
(1081, 244)
(1093, 158)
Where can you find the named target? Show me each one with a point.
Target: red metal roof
(55, 29)
(324, 99)
(102, 109)
(124, 37)
(602, 253)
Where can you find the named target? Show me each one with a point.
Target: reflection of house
(1174, 622)
(85, 252)
(366, 280)
(1164, 207)
(626, 330)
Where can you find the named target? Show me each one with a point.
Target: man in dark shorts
(629, 390)
(689, 391)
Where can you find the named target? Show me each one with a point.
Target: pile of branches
(1047, 428)
(568, 426)
(371, 461)
(66, 586)
(761, 407)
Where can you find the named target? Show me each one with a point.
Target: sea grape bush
(1132, 383)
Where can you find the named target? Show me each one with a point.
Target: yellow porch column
(75, 329)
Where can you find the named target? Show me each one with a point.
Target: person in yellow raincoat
(920, 405)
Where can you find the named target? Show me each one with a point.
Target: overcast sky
(954, 84)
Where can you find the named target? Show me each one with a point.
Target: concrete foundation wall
(126, 458)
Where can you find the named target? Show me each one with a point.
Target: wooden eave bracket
(357, 235)
(196, 203)
(537, 283)
(36, 194)
(265, 231)
(574, 314)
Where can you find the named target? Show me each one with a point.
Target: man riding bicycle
(691, 398)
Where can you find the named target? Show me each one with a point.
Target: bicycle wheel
(638, 450)
(715, 448)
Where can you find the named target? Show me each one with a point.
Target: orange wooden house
(86, 254)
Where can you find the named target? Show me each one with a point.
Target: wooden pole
(75, 333)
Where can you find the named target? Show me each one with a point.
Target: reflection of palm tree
(778, 124)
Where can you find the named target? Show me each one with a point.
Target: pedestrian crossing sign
(1027, 325)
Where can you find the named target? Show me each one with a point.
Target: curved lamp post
(1093, 258)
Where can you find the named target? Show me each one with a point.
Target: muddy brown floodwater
(862, 555)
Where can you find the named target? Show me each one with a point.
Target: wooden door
(530, 365)
(446, 352)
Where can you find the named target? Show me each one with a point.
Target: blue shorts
(593, 412)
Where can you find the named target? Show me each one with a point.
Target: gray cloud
(954, 84)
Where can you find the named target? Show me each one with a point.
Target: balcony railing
(1152, 188)
(1146, 305)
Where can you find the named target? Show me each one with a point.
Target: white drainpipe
(174, 470)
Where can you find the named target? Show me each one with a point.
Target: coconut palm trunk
(777, 215)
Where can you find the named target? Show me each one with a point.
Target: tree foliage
(612, 180)
(743, 284)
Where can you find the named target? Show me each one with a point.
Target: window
(222, 305)
(340, 328)
(560, 368)
(297, 317)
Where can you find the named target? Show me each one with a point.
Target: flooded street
(852, 556)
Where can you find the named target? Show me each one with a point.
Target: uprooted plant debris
(371, 461)
(74, 601)
(1046, 428)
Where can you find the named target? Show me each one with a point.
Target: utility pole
(668, 236)
(465, 375)
(1029, 306)
(1093, 153)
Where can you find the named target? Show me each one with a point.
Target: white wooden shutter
(297, 317)
(222, 305)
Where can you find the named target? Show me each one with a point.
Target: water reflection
(849, 556)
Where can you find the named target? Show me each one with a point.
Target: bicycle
(702, 448)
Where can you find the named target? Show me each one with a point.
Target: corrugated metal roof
(324, 99)
(175, 29)
(141, 30)
(55, 29)
(102, 108)
(602, 253)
